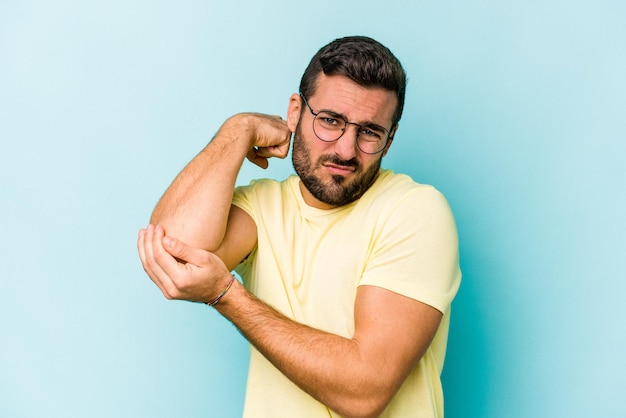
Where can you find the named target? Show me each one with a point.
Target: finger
(265, 152)
(161, 257)
(175, 275)
(140, 247)
(284, 147)
(255, 159)
(148, 260)
(272, 131)
(152, 267)
(145, 247)
(184, 252)
(279, 150)
(183, 277)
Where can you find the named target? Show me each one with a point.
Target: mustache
(334, 159)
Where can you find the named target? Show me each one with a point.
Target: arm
(355, 376)
(196, 206)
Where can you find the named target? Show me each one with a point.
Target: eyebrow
(364, 124)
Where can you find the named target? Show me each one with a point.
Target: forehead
(358, 104)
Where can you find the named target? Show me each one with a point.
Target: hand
(179, 270)
(269, 136)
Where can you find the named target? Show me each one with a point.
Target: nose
(346, 147)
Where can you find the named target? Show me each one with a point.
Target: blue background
(515, 110)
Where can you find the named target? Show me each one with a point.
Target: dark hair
(362, 59)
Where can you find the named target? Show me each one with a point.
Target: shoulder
(405, 209)
(264, 186)
(264, 193)
(395, 190)
(258, 184)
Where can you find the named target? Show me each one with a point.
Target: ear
(390, 140)
(293, 111)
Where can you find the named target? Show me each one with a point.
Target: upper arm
(240, 238)
(393, 332)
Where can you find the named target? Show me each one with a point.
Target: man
(349, 269)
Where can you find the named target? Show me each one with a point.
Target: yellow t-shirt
(308, 263)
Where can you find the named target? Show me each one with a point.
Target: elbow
(189, 234)
(365, 403)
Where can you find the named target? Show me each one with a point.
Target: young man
(348, 269)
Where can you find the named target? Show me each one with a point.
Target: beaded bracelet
(221, 295)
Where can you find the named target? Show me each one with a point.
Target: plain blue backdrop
(515, 111)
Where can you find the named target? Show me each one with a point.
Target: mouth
(339, 169)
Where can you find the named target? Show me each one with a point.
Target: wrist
(233, 301)
(219, 297)
(239, 130)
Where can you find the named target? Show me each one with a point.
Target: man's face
(336, 173)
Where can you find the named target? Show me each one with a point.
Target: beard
(338, 191)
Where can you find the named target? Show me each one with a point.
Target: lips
(339, 168)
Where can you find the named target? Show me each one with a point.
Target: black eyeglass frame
(343, 130)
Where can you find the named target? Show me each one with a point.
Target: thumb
(255, 158)
(183, 252)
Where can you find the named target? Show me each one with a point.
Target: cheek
(315, 148)
(368, 160)
(371, 161)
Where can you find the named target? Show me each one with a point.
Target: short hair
(362, 59)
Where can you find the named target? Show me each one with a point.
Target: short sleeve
(416, 251)
(241, 198)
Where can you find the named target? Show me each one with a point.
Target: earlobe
(293, 111)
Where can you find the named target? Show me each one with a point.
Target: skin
(339, 192)
(357, 376)
(337, 173)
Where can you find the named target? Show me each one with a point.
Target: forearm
(331, 368)
(195, 206)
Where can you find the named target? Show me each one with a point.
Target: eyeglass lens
(370, 138)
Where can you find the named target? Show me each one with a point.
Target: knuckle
(179, 249)
(172, 293)
(183, 286)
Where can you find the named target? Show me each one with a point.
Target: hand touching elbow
(180, 271)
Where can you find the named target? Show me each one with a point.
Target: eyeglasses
(329, 127)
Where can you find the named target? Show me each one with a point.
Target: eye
(328, 121)
(371, 134)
